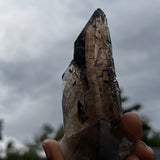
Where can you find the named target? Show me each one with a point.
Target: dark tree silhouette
(1, 127)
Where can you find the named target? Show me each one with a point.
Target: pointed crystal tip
(98, 13)
(79, 45)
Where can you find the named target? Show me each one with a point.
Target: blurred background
(37, 40)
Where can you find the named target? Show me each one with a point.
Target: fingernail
(132, 157)
(46, 152)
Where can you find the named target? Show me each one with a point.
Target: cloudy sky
(37, 39)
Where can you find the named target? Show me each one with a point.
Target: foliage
(135, 107)
(59, 133)
(1, 126)
(12, 153)
(45, 132)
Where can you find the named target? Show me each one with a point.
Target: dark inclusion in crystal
(91, 98)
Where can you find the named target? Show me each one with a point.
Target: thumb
(52, 150)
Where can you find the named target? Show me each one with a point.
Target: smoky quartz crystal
(91, 98)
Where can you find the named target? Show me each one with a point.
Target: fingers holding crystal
(131, 126)
(143, 151)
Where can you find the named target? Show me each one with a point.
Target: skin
(131, 125)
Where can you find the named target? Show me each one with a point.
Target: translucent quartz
(91, 98)
(99, 142)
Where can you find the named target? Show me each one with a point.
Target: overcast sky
(36, 46)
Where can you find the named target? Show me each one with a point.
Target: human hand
(130, 124)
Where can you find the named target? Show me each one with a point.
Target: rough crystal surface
(91, 98)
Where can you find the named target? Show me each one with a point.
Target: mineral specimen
(91, 98)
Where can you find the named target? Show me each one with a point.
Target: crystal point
(91, 98)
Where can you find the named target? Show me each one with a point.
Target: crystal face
(91, 98)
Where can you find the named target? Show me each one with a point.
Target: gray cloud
(37, 45)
